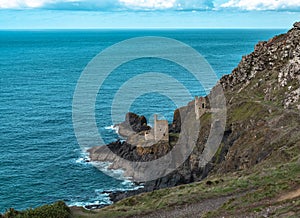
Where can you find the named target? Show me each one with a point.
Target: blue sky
(85, 14)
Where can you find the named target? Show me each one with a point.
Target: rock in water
(133, 124)
(135, 121)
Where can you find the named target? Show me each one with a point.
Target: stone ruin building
(160, 131)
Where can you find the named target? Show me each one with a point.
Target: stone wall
(200, 106)
(161, 129)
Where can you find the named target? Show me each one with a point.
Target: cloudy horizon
(61, 14)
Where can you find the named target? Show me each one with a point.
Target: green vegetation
(248, 192)
(244, 190)
(56, 210)
(256, 170)
(247, 110)
(265, 187)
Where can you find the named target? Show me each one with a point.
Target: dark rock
(270, 73)
(209, 182)
(133, 124)
(119, 195)
(124, 150)
(176, 125)
(297, 25)
(95, 206)
(138, 123)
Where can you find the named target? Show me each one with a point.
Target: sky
(132, 14)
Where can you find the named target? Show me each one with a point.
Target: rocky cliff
(263, 115)
(263, 104)
(271, 71)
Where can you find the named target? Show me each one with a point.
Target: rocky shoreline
(262, 99)
(133, 127)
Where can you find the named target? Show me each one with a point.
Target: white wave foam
(118, 174)
(103, 194)
(101, 199)
(131, 185)
(105, 167)
(113, 128)
(83, 159)
(106, 201)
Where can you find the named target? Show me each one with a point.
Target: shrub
(56, 210)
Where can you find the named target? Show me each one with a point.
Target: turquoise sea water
(40, 159)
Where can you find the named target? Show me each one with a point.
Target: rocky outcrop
(263, 103)
(263, 116)
(297, 25)
(129, 152)
(176, 124)
(133, 124)
(273, 69)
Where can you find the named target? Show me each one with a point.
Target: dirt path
(198, 209)
(290, 195)
(192, 210)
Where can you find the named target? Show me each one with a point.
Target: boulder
(297, 25)
(133, 124)
(136, 122)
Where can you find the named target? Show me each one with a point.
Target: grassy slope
(249, 193)
(253, 190)
(56, 210)
(259, 177)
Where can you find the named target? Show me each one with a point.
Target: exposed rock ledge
(132, 125)
(262, 94)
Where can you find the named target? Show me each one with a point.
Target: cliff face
(263, 112)
(263, 95)
(263, 115)
(271, 71)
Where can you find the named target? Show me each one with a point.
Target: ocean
(40, 159)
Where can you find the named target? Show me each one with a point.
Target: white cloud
(113, 5)
(168, 4)
(263, 4)
(19, 4)
(108, 4)
(149, 4)
(9, 4)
